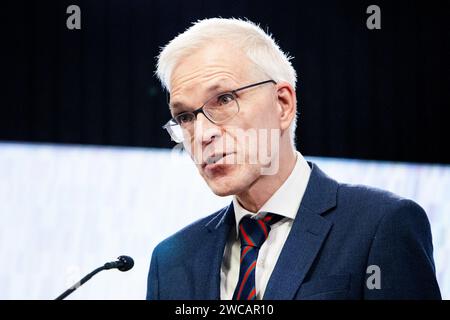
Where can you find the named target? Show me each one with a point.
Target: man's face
(212, 70)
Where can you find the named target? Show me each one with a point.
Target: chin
(221, 192)
(232, 183)
(224, 186)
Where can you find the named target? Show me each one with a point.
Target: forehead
(217, 66)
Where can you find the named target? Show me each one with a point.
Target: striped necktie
(253, 233)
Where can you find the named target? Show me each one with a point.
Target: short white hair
(259, 47)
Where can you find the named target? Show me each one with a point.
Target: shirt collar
(286, 200)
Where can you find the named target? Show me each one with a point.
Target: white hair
(258, 46)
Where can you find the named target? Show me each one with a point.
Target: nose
(205, 131)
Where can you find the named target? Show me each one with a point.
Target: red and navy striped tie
(253, 233)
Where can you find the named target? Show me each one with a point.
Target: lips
(214, 158)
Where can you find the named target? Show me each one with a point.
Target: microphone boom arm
(80, 283)
(124, 263)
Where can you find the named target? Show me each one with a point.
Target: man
(291, 232)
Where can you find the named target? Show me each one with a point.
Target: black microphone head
(127, 263)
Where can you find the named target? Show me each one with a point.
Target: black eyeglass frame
(173, 122)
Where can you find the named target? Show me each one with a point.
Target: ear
(287, 103)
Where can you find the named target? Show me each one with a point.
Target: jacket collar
(305, 239)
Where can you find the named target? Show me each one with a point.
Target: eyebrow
(218, 88)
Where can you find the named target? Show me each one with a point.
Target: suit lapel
(209, 259)
(305, 239)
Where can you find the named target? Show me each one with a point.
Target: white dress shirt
(285, 202)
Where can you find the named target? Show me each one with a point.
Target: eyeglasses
(218, 109)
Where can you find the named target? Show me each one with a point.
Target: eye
(184, 118)
(225, 98)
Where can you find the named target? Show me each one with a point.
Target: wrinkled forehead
(214, 65)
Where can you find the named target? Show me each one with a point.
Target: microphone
(123, 263)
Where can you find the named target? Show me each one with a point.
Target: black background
(372, 94)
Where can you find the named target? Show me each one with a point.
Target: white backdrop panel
(65, 210)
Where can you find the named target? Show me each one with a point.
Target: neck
(265, 186)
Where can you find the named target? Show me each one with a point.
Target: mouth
(213, 159)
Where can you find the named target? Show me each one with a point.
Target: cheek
(194, 150)
(262, 115)
(252, 135)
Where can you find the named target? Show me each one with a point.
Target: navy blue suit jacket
(339, 231)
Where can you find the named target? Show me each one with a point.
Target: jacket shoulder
(189, 237)
(377, 203)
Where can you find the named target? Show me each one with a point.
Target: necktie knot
(253, 232)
